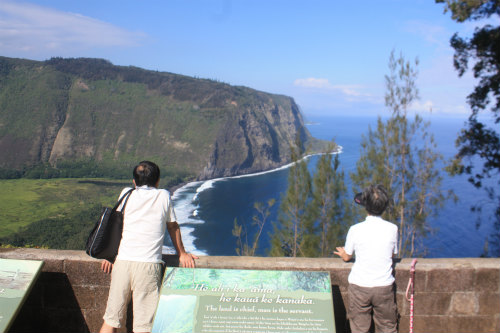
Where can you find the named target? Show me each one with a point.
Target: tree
(400, 154)
(294, 234)
(329, 206)
(483, 50)
(314, 214)
(258, 220)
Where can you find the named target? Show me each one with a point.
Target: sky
(331, 56)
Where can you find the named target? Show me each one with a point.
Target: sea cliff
(64, 111)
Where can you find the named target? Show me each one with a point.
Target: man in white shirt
(371, 283)
(137, 271)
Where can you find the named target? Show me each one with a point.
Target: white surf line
(339, 150)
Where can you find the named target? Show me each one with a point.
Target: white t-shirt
(146, 213)
(374, 242)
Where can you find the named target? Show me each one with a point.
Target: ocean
(207, 210)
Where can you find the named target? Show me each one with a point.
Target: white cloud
(324, 84)
(320, 95)
(439, 82)
(431, 33)
(455, 109)
(422, 107)
(349, 90)
(313, 83)
(30, 30)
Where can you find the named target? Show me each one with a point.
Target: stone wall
(451, 295)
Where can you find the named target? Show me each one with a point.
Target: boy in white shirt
(371, 283)
(137, 271)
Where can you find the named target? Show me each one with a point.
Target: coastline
(179, 186)
(187, 203)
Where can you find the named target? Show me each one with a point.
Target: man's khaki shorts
(139, 280)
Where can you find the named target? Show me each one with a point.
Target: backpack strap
(126, 195)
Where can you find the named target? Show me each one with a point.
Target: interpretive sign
(244, 301)
(16, 280)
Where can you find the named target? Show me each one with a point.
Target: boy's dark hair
(146, 173)
(374, 198)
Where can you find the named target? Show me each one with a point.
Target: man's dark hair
(146, 173)
(374, 198)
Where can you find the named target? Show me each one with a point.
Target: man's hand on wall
(186, 260)
(106, 266)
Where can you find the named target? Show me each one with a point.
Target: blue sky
(331, 56)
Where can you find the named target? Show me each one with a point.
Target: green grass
(25, 201)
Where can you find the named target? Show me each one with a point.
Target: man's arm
(341, 253)
(185, 259)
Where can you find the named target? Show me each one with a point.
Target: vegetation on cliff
(56, 114)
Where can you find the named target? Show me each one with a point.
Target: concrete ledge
(451, 295)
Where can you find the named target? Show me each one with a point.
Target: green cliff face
(88, 109)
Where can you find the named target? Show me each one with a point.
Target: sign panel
(16, 280)
(244, 301)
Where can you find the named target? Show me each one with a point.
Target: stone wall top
(242, 262)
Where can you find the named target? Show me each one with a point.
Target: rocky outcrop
(256, 138)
